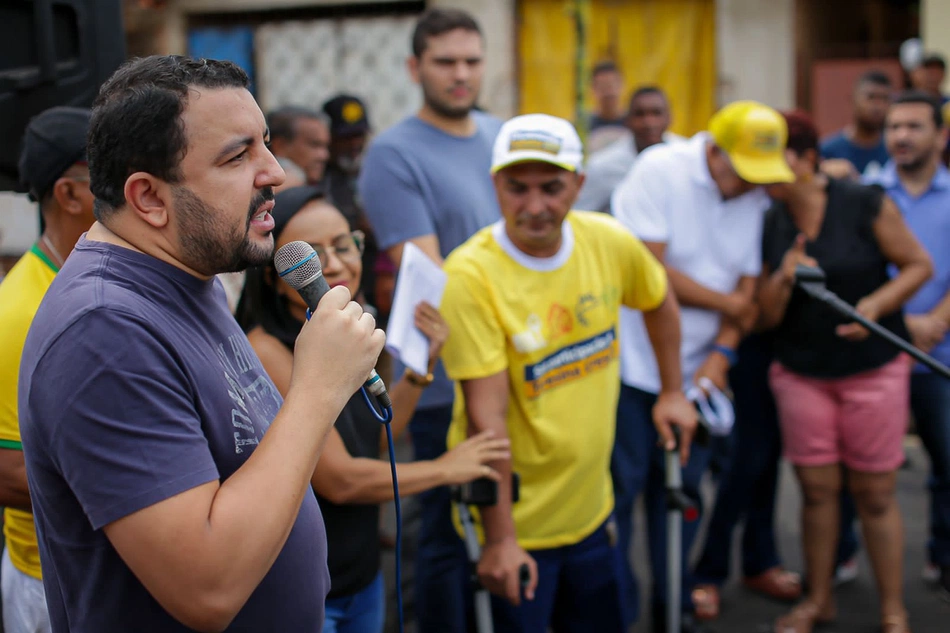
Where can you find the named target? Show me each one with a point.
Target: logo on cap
(534, 141)
(766, 141)
(352, 112)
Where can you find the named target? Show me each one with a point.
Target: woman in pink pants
(842, 395)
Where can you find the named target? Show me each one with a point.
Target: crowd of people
(180, 443)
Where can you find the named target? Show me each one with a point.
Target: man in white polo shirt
(698, 206)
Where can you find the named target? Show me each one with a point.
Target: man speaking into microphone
(170, 482)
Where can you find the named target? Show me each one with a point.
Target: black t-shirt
(353, 555)
(847, 250)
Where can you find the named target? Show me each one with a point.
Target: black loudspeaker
(52, 52)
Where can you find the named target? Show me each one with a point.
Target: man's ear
(412, 65)
(148, 197)
(65, 191)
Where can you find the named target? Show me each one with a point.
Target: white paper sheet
(420, 279)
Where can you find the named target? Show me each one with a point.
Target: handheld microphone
(298, 265)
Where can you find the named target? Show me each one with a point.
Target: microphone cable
(385, 417)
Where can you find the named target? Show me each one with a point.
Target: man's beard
(208, 245)
(443, 109)
(915, 164)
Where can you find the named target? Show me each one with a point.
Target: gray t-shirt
(136, 385)
(418, 180)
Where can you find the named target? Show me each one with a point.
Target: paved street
(744, 612)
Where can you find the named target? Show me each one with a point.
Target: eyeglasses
(347, 248)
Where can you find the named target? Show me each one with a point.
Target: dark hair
(259, 303)
(136, 121)
(643, 91)
(282, 122)
(919, 96)
(802, 133)
(604, 67)
(876, 77)
(435, 22)
(934, 60)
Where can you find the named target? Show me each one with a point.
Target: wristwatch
(417, 380)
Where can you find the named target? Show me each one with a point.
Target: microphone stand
(811, 279)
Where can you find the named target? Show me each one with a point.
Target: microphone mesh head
(297, 264)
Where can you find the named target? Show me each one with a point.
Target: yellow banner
(668, 43)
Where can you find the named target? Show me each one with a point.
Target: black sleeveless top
(353, 555)
(847, 250)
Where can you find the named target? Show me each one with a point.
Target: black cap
(54, 140)
(347, 116)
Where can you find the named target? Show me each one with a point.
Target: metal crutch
(678, 507)
(481, 492)
(482, 599)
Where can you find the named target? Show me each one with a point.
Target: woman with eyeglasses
(350, 480)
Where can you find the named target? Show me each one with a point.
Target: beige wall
(19, 224)
(755, 42)
(934, 28)
(496, 17)
(234, 6)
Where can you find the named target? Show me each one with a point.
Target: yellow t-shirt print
(554, 333)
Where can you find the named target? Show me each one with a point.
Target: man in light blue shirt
(920, 186)
(427, 181)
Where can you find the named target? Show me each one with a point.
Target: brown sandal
(803, 618)
(895, 624)
(776, 583)
(706, 602)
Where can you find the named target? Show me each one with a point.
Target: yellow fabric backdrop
(670, 43)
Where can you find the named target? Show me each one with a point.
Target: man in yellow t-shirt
(52, 166)
(533, 303)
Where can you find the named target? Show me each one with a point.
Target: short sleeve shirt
(418, 180)
(136, 385)
(670, 197)
(551, 324)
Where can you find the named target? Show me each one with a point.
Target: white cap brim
(527, 156)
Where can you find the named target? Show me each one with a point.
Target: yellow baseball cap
(753, 135)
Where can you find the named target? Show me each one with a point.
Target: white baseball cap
(538, 138)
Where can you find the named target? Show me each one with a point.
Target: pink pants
(859, 421)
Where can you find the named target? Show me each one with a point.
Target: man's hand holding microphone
(337, 348)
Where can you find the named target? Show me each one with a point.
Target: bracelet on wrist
(731, 355)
